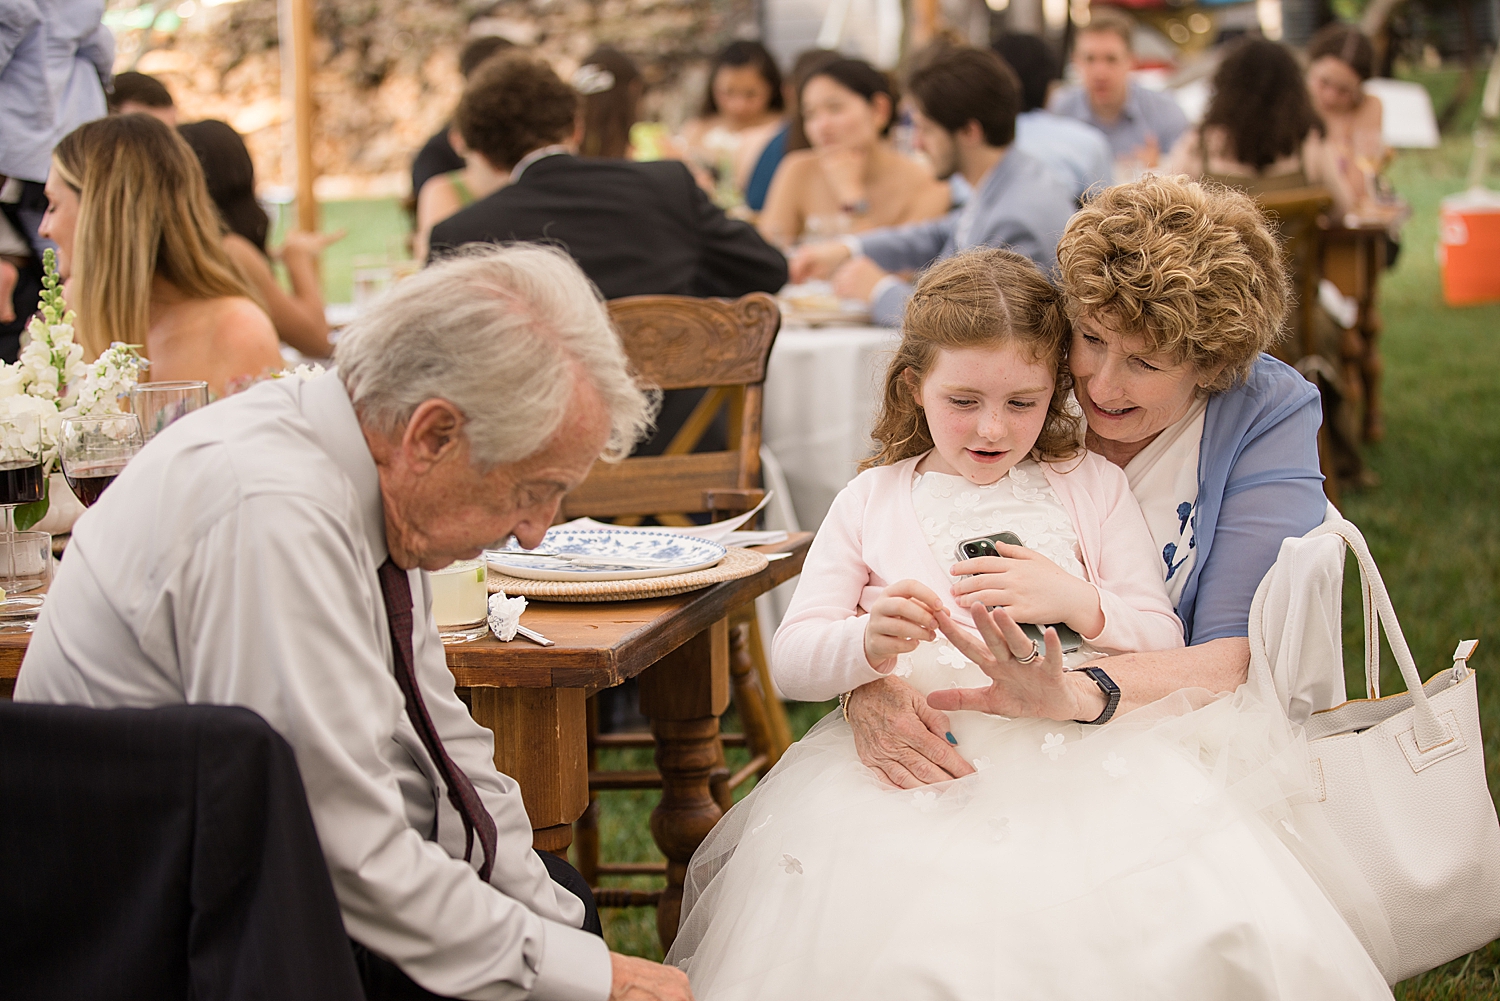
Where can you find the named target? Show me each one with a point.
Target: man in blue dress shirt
(964, 104)
(1141, 125)
(1077, 153)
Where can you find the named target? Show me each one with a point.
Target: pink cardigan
(871, 539)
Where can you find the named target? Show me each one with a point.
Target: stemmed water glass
(157, 404)
(21, 482)
(94, 450)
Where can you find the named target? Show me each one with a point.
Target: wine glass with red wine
(94, 450)
(21, 482)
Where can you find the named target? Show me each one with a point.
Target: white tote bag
(1401, 778)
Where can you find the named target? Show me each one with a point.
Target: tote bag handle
(1378, 612)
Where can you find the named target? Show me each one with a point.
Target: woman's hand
(899, 620)
(1030, 587)
(302, 245)
(1041, 689)
(901, 738)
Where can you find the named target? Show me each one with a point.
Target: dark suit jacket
(161, 854)
(635, 228)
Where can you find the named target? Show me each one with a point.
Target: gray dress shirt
(55, 58)
(1146, 113)
(234, 563)
(1019, 205)
(1077, 153)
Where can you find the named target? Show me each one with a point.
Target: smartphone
(985, 546)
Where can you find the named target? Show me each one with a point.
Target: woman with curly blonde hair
(1073, 860)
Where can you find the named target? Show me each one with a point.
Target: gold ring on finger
(1036, 651)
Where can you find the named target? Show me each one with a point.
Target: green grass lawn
(1433, 522)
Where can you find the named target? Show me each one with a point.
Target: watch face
(1104, 681)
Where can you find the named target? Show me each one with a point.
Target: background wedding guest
(791, 135)
(742, 111)
(609, 86)
(1339, 61)
(446, 193)
(635, 228)
(1140, 124)
(1077, 153)
(438, 155)
(56, 58)
(138, 93)
(268, 552)
(230, 175)
(141, 247)
(963, 107)
(1260, 132)
(852, 179)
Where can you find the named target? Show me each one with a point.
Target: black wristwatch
(1111, 694)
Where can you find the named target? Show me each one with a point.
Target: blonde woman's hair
(1192, 269)
(982, 298)
(143, 211)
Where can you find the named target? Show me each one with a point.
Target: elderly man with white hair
(268, 551)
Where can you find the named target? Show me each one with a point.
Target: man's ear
(432, 434)
(972, 133)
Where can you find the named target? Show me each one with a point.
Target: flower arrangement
(51, 379)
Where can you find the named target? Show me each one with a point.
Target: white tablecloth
(823, 389)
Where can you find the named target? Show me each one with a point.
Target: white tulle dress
(1173, 854)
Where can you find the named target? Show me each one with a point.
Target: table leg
(1373, 368)
(684, 694)
(541, 742)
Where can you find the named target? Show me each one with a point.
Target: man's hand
(816, 260)
(1041, 689)
(857, 279)
(899, 620)
(642, 980)
(1030, 587)
(901, 737)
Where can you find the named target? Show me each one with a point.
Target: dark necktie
(396, 588)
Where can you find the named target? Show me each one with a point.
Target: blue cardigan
(1258, 483)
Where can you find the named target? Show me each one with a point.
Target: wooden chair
(720, 345)
(1299, 213)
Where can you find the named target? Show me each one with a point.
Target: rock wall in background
(387, 74)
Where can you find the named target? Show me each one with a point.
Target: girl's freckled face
(985, 408)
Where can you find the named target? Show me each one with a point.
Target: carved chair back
(677, 342)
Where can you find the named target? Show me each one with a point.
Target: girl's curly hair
(1192, 269)
(981, 298)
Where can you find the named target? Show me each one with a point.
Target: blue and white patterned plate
(612, 553)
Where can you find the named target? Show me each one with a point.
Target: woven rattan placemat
(738, 563)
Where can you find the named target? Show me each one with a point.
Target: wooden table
(532, 699)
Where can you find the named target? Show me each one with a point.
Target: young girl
(1144, 858)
